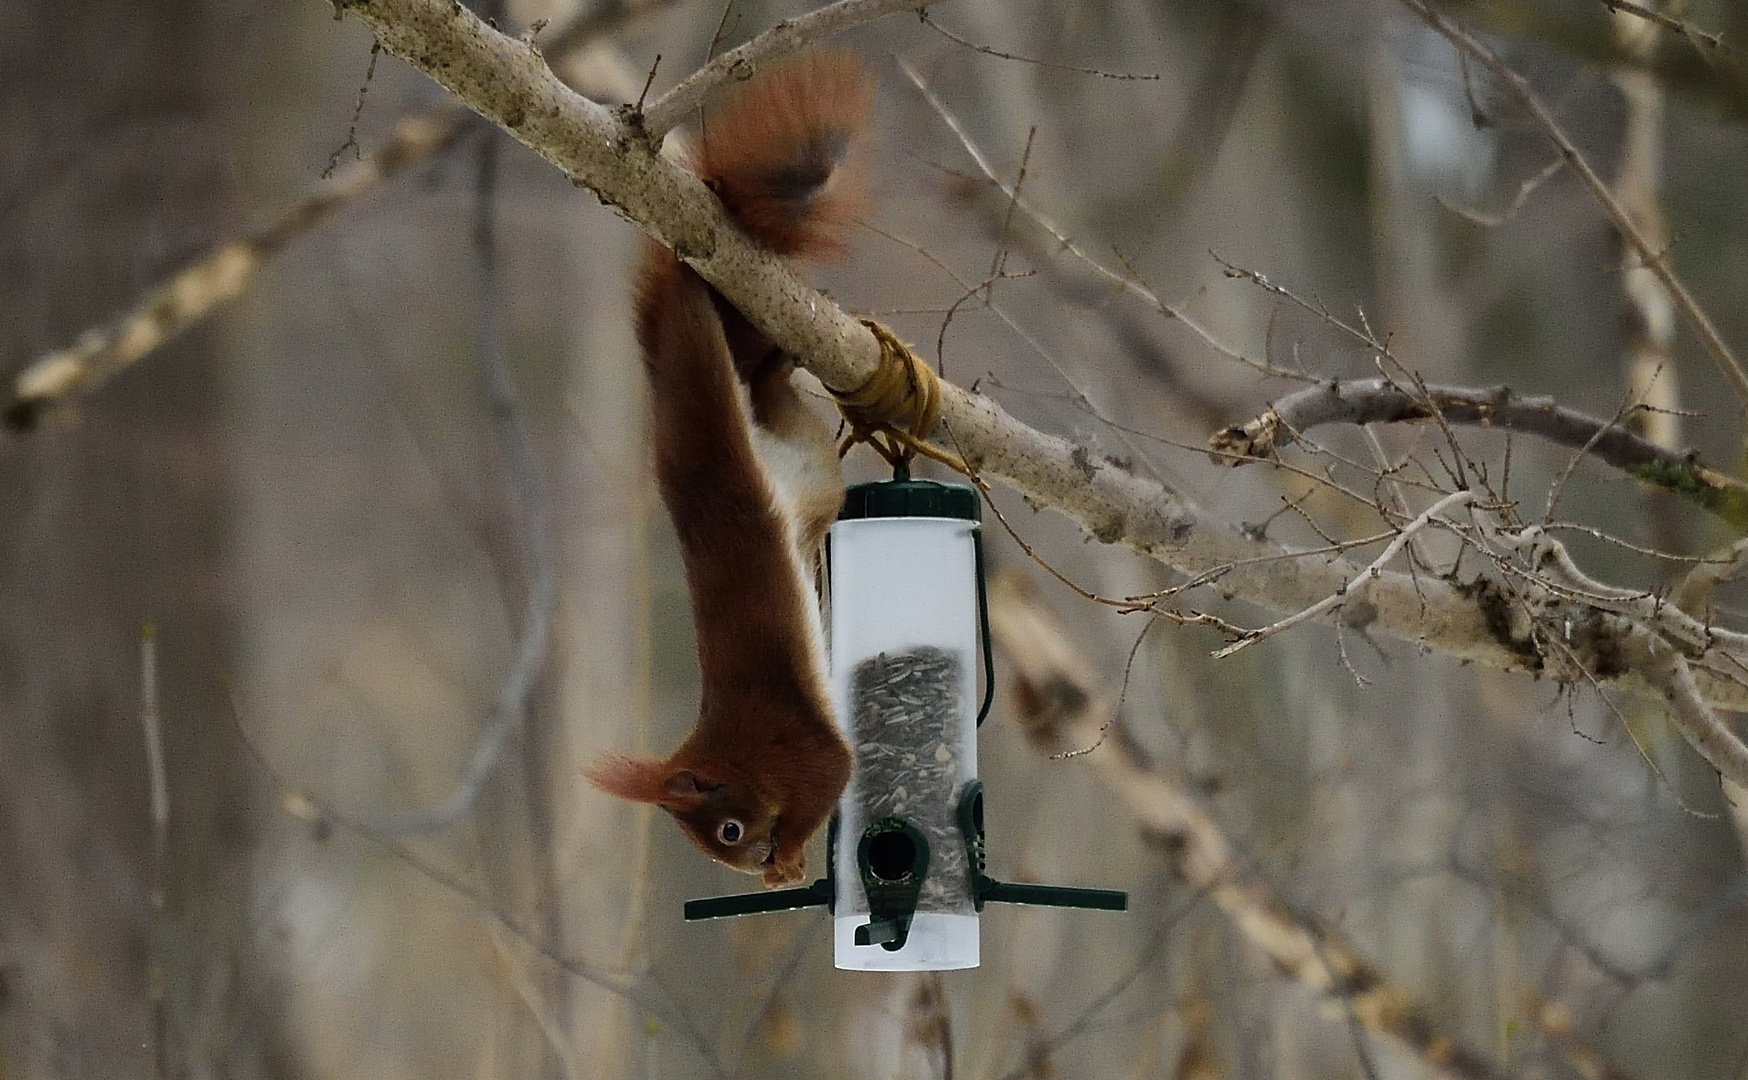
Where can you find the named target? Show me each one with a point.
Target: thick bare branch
(1666, 669)
(508, 82)
(1384, 401)
(1550, 559)
(1694, 591)
(1628, 631)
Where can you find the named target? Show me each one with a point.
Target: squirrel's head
(725, 818)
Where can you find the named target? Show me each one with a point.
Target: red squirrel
(750, 476)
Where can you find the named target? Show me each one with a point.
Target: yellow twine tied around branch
(897, 409)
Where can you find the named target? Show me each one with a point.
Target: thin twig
(1129, 283)
(158, 779)
(1336, 599)
(534, 526)
(1549, 558)
(1383, 401)
(306, 807)
(739, 64)
(1689, 561)
(998, 262)
(351, 142)
(1657, 260)
(980, 291)
(1036, 1059)
(1636, 631)
(599, 22)
(648, 81)
(715, 35)
(1053, 65)
(1557, 489)
(1524, 191)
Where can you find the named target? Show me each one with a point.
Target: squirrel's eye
(729, 832)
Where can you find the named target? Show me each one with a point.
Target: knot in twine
(897, 408)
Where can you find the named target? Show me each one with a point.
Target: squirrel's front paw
(786, 869)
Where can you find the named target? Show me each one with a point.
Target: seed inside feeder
(907, 709)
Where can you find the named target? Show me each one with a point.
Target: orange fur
(775, 153)
(765, 754)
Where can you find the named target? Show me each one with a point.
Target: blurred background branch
(191, 293)
(1349, 852)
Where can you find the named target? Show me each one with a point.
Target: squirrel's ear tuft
(639, 781)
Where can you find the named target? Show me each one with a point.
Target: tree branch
(508, 82)
(1629, 631)
(199, 288)
(740, 64)
(1336, 599)
(1658, 18)
(190, 294)
(1666, 669)
(157, 777)
(1384, 401)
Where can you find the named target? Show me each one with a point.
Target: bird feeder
(908, 623)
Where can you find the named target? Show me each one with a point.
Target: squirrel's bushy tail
(777, 152)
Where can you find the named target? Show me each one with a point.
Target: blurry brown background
(305, 494)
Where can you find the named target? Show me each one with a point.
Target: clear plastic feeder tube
(904, 649)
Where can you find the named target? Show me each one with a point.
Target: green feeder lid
(911, 498)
